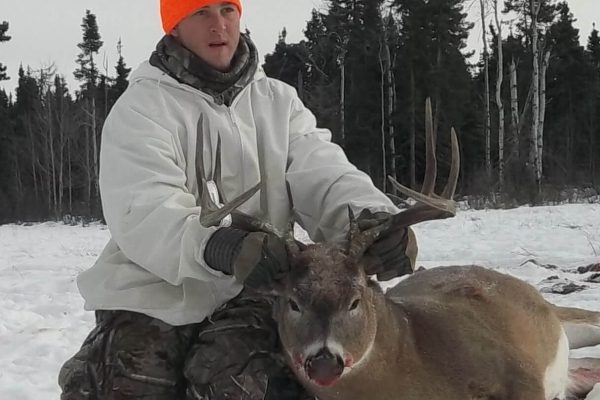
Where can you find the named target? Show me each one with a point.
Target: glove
(394, 252)
(256, 259)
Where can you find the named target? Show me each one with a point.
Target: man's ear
(175, 32)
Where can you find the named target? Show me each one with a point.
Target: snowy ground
(42, 321)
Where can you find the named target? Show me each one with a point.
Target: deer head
(326, 307)
(325, 312)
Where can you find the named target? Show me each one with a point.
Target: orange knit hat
(173, 12)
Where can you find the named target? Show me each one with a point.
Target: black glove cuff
(223, 247)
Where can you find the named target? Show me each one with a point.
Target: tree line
(526, 111)
(50, 137)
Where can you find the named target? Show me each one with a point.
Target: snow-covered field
(42, 321)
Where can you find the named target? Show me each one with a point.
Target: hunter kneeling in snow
(175, 292)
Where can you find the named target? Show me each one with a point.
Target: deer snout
(324, 368)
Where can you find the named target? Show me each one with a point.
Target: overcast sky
(45, 32)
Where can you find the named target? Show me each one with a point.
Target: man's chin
(220, 64)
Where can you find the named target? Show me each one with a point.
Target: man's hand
(256, 259)
(395, 251)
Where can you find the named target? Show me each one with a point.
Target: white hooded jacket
(154, 262)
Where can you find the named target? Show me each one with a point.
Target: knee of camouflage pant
(237, 356)
(128, 356)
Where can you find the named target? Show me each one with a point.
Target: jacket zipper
(238, 133)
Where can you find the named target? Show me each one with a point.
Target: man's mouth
(217, 44)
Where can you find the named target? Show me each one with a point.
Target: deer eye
(354, 305)
(293, 305)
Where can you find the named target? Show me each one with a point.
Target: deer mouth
(324, 369)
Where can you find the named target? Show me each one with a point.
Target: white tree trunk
(499, 82)
(535, 105)
(514, 111)
(542, 115)
(300, 84)
(390, 122)
(387, 113)
(52, 183)
(95, 151)
(33, 158)
(487, 123)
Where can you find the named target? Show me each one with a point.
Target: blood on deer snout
(324, 314)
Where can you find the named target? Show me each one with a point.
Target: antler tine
(217, 175)
(430, 159)
(432, 201)
(450, 187)
(431, 206)
(293, 247)
(359, 240)
(211, 213)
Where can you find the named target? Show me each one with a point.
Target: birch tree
(486, 99)
(499, 104)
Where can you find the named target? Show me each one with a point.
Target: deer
(448, 333)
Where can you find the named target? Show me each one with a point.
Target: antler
(214, 214)
(429, 205)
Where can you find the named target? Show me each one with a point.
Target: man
(178, 316)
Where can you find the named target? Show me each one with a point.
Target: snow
(42, 322)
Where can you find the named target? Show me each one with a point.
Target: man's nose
(217, 23)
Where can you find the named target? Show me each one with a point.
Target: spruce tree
(121, 81)
(593, 48)
(593, 56)
(567, 94)
(87, 72)
(8, 187)
(3, 38)
(326, 50)
(432, 64)
(288, 63)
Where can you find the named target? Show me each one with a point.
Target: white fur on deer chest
(557, 377)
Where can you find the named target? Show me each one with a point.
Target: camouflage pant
(233, 355)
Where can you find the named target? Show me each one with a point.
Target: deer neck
(387, 365)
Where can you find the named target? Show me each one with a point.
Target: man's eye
(201, 12)
(228, 9)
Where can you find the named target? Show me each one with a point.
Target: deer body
(448, 333)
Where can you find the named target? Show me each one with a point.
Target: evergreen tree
(87, 73)
(89, 46)
(7, 184)
(362, 25)
(326, 50)
(121, 81)
(27, 106)
(432, 64)
(287, 63)
(593, 48)
(3, 38)
(545, 13)
(567, 94)
(593, 56)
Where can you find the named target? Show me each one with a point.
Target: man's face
(212, 33)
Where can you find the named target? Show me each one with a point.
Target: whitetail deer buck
(451, 333)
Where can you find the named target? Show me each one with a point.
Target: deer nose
(324, 368)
